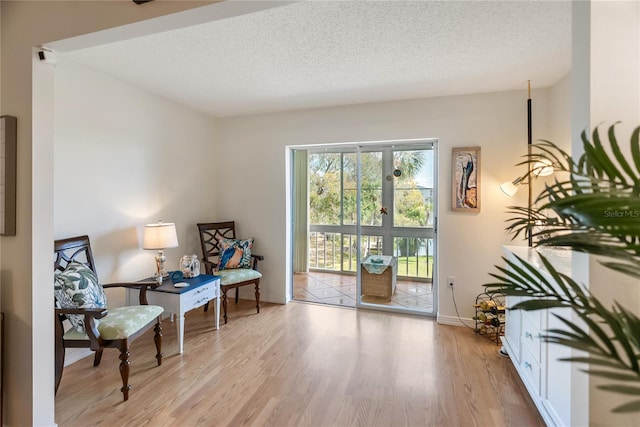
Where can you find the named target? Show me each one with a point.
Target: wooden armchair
(210, 235)
(96, 328)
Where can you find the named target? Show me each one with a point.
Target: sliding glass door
(371, 227)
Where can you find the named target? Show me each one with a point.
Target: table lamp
(160, 236)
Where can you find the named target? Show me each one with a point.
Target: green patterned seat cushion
(121, 322)
(236, 275)
(77, 287)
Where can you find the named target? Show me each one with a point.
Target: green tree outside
(333, 201)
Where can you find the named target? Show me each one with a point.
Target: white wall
(25, 258)
(131, 158)
(560, 113)
(606, 90)
(42, 204)
(255, 146)
(123, 158)
(28, 24)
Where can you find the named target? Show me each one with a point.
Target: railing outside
(337, 252)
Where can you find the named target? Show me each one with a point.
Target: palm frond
(633, 406)
(607, 335)
(596, 210)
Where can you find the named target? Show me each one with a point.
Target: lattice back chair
(80, 299)
(210, 235)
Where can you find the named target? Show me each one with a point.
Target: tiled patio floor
(340, 289)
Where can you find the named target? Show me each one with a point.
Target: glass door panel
(392, 216)
(338, 252)
(415, 257)
(407, 216)
(325, 198)
(370, 187)
(413, 188)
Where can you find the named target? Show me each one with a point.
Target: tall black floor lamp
(529, 144)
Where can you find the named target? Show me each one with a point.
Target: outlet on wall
(451, 281)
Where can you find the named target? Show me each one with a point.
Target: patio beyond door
(371, 227)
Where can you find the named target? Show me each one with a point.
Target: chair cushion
(120, 322)
(237, 275)
(234, 253)
(77, 287)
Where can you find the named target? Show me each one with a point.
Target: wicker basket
(379, 285)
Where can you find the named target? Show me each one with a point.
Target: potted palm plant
(596, 211)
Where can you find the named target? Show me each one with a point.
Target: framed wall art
(465, 179)
(8, 150)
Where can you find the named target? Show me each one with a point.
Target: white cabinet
(558, 389)
(530, 361)
(562, 392)
(513, 324)
(561, 377)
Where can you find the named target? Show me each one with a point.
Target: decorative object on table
(176, 276)
(8, 157)
(160, 236)
(536, 166)
(215, 238)
(465, 179)
(97, 328)
(490, 315)
(190, 266)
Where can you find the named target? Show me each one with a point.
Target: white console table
(563, 394)
(177, 301)
(557, 388)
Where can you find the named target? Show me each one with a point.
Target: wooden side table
(177, 301)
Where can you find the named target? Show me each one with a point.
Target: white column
(605, 89)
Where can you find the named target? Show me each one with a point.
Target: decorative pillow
(77, 287)
(234, 253)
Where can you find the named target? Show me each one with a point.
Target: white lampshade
(543, 167)
(161, 235)
(509, 188)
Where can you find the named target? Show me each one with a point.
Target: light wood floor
(302, 365)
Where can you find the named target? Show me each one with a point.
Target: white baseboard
(455, 321)
(72, 355)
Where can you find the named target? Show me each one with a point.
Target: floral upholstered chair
(81, 300)
(230, 259)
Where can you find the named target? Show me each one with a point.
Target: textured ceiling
(325, 53)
